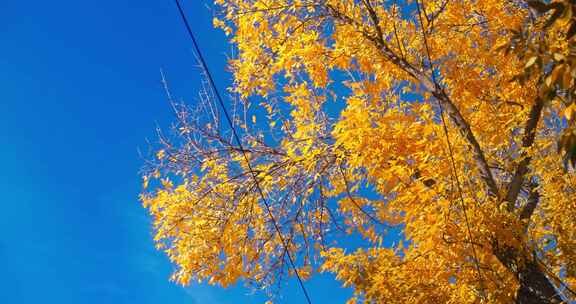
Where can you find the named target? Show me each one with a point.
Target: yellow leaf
(161, 154)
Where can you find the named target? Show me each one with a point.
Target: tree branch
(426, 81)
(531, 204)
(529, 136)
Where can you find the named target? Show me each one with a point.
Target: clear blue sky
(80, 92)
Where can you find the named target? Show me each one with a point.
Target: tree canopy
(440, 119)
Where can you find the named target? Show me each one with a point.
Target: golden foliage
(435, 137)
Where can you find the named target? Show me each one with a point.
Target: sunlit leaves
(548, 48)
(357, 127)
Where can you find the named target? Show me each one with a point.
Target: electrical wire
(239, 143)
(464, 209)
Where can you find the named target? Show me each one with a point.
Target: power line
(437, 86)
(237, 138)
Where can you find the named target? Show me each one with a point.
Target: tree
(429, 117)
(549, 50)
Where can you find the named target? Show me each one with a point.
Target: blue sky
(80, 93)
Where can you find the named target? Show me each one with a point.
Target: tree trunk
(535, 288)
